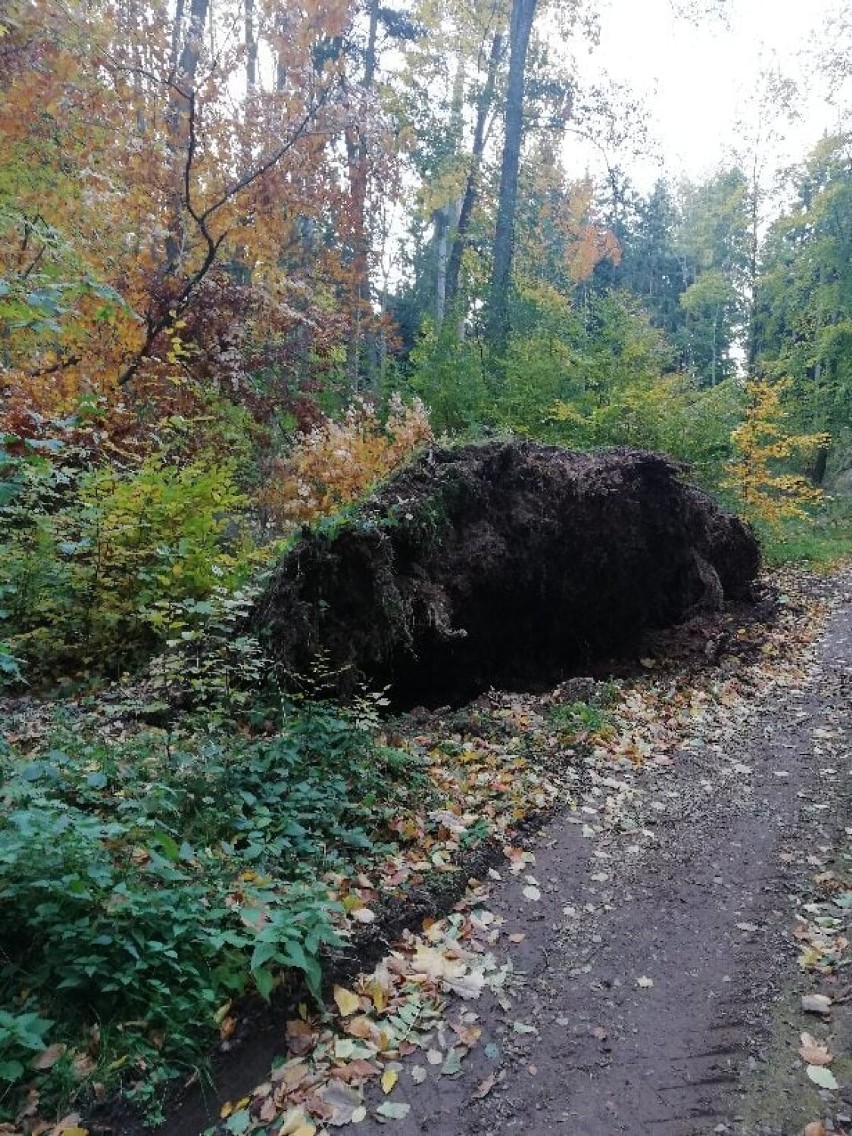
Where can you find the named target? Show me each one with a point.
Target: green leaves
(21, 1035)
(144, 887)
(106, 564)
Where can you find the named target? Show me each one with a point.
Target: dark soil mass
(508, 565)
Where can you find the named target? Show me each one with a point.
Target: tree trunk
(184, 70)
(251, 50)
(497, 331)
(472, 184)
(358, 165)
(441, 224)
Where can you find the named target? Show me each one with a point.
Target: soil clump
(506, 565)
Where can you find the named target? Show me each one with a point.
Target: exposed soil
(507, 565)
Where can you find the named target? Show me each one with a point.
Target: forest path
(657, 989)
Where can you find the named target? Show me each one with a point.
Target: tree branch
(156, 325)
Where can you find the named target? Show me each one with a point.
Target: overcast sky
(698, 81)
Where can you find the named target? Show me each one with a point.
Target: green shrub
(448, 374)
(144, 884)
(88, 558)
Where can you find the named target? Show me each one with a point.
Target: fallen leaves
(393, 1111)
(347, 1002)
(398, 1010)
(48, 1057)
(484, 1087)
(822, 1077)
(816, 1004)
(813, 1052)
(343, 1101)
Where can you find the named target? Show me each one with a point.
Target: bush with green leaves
(448, 373)
(144, 884)
(89, 556)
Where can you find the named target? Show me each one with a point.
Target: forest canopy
(238, 242)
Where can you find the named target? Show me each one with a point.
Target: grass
(821, 541)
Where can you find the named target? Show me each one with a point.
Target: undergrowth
(822, 540)
(147, 881)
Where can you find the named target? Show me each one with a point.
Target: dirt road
(657, 990)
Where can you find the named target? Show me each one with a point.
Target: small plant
(759, 473)
(576, 718)
(22, 1036)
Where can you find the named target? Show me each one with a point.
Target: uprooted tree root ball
(508, 564)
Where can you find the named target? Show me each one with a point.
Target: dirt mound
(508, 564)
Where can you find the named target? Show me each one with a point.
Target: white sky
(697, 81)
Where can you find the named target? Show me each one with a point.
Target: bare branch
(53, 368)
(156, 325)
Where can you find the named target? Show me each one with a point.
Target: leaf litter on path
(493, 765)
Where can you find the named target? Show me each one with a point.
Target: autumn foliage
(338, 461)
(759, 472)
(152, 232)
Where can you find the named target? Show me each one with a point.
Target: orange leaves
(114, 177)
(566, 225)
(337, 462)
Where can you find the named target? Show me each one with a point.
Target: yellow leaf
(810, 958)
(389, 1079)
(347, 1002)
(296, 1123)
(379, 996)
(229, 1106)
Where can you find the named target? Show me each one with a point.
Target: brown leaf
(292, 1073)
(267, 1111)
(364, 1028)
(363, 915)
(342, 1101)
(83, 1066)
(48, 1057)
(300, 1037)
(813, 1052)
(484, 1087)
(816, 1004)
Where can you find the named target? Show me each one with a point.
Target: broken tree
(507, 564)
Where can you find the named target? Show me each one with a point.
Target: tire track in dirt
(703, 913)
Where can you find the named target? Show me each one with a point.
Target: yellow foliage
(337, 462)
(760, 444)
